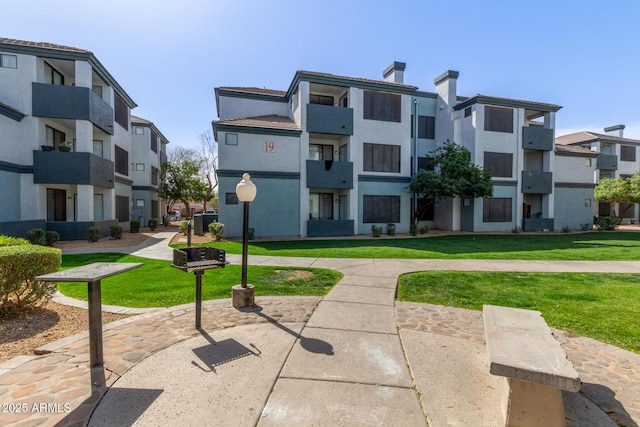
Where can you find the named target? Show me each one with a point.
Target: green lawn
(157, 284)
(601, 306)
(592, 246)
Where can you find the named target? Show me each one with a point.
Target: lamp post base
(242, 297)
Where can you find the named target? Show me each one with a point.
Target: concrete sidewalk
(355, 357)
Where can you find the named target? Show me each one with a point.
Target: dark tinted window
(321, 99)
(498, 119)
(382, 106)
(627, 153)
(122, 208)
(231, 198)
(500, 164)
(122, 161)
(121, 112)
(381, 158)
(496, 210)
(425, 210)
(380, 209)
(154, 142)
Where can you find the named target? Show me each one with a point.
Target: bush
(586, 227)
(37, 236)
(516, 230)
(391, 229)
(217, 230)
(413, 229)
(376, 231)
(566, 229)
(18, 267)
(424, 230)
(116, 232)
(51, 237)
(252, 233)
(184, 226)
(93, 234)
(12, 241)
(134, 226)
(606, 223)
(153, 223)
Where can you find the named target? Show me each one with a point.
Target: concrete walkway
(355, 357)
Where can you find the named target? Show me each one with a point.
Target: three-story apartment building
(333, 155)
(66, 141)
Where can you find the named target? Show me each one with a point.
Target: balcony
(71, 102)
(537, 224)
(537, 138)
(537, 182)
(607, 162)
(329, 174)
(329, 120)
(54, 167)
(329, 227)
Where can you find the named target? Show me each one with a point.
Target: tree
(453, 176)
(618, 190)
(180, 178)
(208, 165)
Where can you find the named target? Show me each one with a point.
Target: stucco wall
(369, 188)
(234, 108)
(250, 153)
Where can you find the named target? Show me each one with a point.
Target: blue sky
(169, 56)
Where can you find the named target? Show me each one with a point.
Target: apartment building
(66, 141)
(148, 153)
(334, 155)
(615, 157)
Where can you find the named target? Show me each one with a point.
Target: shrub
(413, 229)
(391, 229)
(217, 230)
(51, 237)
(516, 230)
(184, 226)
(12, 241)
(134, 226)
(93, 234)
(586, 227)
(376, 231)
(606, 223)
(566, 229)
(424, 230)
(18, 267)
(37, 236)
(116, 232)
(252, 233)
(153, 223)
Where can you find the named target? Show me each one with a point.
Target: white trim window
(8, 61)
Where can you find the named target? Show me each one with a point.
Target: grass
(601, 306)
(590, 246)
(157, 284)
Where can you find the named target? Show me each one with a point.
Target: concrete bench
(521, 348)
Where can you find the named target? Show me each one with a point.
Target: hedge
(18, 267)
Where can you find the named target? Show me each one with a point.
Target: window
(320, 99)
(122, 160)
(381, 158)
(231, 139)
(607, 149)
(382, 106)
(587, 203)
(154, 175)
(467, 111)
(8, 61)
(587, 162)
(344, 101)
(500, 164)
(154, 142)
(53, 137)
(627, 153)
(98, 148)
(139, 203)
(137, 130)
(425, 209)
(321, 206)
(498, 119)
(122, 208)
(52, 76)
(231, 198)
(97, 90)
(56, 205)
(626, 210)
(426, 163)
(604, 209)
(140, 166)
(496, 209)
(320, 152)
(98, 207)
(380, 209)
(426, 127)
(121, 112)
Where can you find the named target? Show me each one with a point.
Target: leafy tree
(453, 176)
(618, 190)
(209, 167)
(180, 178)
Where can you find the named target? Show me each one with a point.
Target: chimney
(611, 130)
(446, 88)
(394, 73)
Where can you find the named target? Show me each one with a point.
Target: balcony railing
(329, 174)
(329, 120)
(54, 167)
(537, 182)
(537, 224)
(329, 227)
(72, 102)
(537, 138)
(607, 162)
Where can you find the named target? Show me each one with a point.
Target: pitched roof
(507, 102)
(585, 136)
(42, 45)
(271, 121)
(256, 90)
(135, 120)
(570, 150)
(355, 79)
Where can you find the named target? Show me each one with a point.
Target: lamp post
(243, 294)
